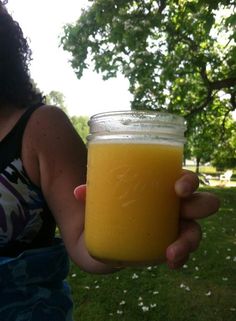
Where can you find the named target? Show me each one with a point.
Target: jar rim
(131, 125)
(143, 115)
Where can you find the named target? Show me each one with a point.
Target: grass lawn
(203, 290)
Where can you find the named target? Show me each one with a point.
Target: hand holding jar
(134, 188)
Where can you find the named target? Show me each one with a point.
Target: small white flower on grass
(208, 293)
(228, 249)
(117, 278)
(122, 302)
(225, 279)
(87, 287)
(185, 266)
(111, 314)
(234, 259)
(155, 292)
(149, 268)
(183, 286)
(145, 309)
(124, 291)
(140, 298)
(73, 275)
(140, 304)
(196, 277)
(193, 258)
(228, 257)
(153, 305)
(97, 287)
(119, 312)
(232, 309)
(196, 268)
(135, 276)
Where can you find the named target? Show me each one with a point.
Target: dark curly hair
(16, 86)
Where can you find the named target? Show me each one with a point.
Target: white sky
(41, 22)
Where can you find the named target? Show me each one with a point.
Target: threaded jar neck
(141, 125)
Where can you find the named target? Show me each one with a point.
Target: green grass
(210, 170)
(203, 290)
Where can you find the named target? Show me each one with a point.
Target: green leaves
(80, 123)
(177, 55)
(231, 20)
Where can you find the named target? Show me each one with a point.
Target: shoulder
(52, 141)
(48, 115)
(50, 123)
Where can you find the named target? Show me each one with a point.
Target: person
(42, 161)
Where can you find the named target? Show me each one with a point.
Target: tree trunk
(197, 164)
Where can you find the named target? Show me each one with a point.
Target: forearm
(88, 264)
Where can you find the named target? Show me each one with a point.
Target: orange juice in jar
(132, 211)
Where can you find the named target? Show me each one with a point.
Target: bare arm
(62, 161)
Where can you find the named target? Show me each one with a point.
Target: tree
(208, 138)
(81, 125)
(225, 156)
(58, 99)
(178, 56)
(169, 50)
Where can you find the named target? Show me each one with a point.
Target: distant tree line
(80, 123)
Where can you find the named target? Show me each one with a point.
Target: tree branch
(233, 100)
(198, 109)
(224, 83)
(162, 6)
(212, 85)
(203, 74)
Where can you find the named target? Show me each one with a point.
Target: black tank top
(25, 219)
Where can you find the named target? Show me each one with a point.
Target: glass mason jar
(132, 210)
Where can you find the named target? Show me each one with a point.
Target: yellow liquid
(132, 210)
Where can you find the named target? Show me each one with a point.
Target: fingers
(199, 205)
(189, 239)
(80, 193)
(194, 205)
(187, 184)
